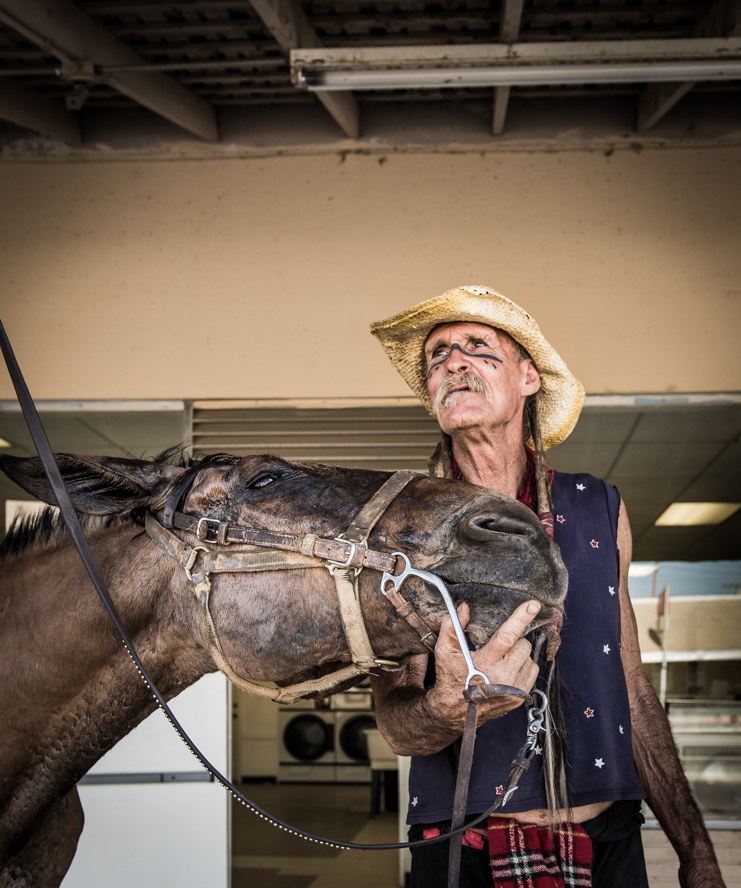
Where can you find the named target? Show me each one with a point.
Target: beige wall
(257, 278)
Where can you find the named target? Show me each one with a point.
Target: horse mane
(42, 529)
(47, 527)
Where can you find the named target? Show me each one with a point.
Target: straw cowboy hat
(403, 338)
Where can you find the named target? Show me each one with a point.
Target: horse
(69, 689)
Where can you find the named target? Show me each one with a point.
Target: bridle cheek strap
(346, 578)
(348, 597)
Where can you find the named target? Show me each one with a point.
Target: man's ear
(97, 485)
(531, 382)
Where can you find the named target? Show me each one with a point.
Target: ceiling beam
(656, 100)
(723, 20)
(509, 24)
(62, 29)
(287, 22)
(30, 109)
(509, 29)
(501, 103)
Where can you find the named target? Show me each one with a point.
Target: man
(481, 365)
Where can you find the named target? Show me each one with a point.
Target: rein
(353, 551)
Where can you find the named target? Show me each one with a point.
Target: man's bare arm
(416, 721)
(654, 752)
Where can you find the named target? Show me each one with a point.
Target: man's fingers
(511, 630)
(464, 614)
(447, 632)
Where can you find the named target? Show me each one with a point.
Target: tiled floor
(662, 863)
(265, 857)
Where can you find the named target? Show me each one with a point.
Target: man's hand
(417, 721)
(505, 659)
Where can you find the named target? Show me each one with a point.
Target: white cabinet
(153, 817)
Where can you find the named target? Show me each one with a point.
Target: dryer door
(307, 737)
(352, 740)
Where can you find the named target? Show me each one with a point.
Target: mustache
(446, 397)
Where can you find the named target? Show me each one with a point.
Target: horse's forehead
(249, 465)
(322, 474)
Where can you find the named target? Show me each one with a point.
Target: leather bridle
(261, 550)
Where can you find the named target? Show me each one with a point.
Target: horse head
(284, 626)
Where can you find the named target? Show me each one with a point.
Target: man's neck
(493, 458)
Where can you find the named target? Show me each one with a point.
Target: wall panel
(257, 278)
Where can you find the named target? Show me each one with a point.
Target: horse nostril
(489, 526)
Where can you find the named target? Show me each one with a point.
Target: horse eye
(261, 481)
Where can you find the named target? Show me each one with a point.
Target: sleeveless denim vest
(600, 757)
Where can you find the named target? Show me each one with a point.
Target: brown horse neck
(71, 691)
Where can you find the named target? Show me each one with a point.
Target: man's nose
(457, 362)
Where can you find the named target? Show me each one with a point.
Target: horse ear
(97, 485)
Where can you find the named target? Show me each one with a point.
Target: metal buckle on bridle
(347, 563)
(205, 522)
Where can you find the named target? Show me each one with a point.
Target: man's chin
(464, 414)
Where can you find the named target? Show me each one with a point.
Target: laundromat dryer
(353, 717)
(326, 745)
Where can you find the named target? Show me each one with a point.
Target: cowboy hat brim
(403, 337)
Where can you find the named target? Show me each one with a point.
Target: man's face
(475, 377)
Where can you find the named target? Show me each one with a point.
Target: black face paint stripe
(456, 347)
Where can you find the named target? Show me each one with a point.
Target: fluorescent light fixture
(639, 569)
(687, 514)
(518, 64)
(517, 75)
(4, 443)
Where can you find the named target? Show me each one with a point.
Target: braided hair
(531, 430)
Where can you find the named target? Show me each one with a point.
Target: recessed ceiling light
(4, 443)
(686, 514)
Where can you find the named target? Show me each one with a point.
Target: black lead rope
(69, 515)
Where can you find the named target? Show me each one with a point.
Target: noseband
(259, 550)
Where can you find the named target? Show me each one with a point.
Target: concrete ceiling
(216, 75)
